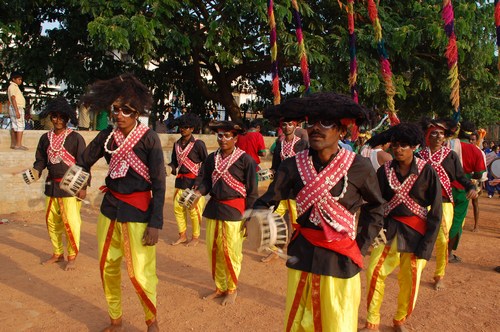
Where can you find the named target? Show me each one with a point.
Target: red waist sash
(139, 199)
(414, 222)
(346, 246)
(237, 203)
(186, 175)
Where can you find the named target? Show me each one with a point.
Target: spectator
(16, 111)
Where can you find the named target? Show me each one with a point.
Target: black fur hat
(226, 126)
(60, 105)
(187, 120)
(408, 133)
(318, 106)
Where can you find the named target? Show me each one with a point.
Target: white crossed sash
(221, 171)
(182, 157)
(326, 210)
(402, 190)
(435, 160)
(56, 152)
(125, 158)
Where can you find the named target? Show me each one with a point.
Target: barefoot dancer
(188, 155)
(229, 177)
(449, 169)
(330, 184)
(412, 213)
(132, 207)
(57, 150)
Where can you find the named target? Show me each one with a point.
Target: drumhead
(495, 168)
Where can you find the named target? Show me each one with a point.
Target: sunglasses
(403, 146)
(326, 124)
(225, 136)
(436, 134)
(58, 117)
(126, 111)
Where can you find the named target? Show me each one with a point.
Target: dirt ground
(34, 297)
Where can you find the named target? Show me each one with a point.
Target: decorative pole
(385, 65)
(497, 24)
(302, 49)
(353, 64)
(274, 54)
(452, 57)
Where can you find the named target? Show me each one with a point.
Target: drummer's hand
(150, 237)
(198, 194)
(82, 194)
(494, 182)
(471, 194)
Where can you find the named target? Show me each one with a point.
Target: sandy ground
(34, 297)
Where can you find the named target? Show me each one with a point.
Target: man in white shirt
(16, 111)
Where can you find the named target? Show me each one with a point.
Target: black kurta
(362, 193)
(299, 146)
(198, 154)
(243, 170)
(74, 144)
(426, 191)
(150, 152)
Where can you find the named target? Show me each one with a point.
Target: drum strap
(436, 160)
(138, 199)
(183, 159)
(56, 152)
(125, 158)
(402, 190)
(221, 171)
(337, 222)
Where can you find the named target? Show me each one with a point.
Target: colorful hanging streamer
(385, 66)
(302, 49)
(274, 54)
(451, 54)
(353, 65)
(497, 25)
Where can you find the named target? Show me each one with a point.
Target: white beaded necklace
(218, 156)
(121, 145)
(51, 137)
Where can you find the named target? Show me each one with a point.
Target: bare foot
(475, 229)
(400, 328)
(115, 326)
(153, 327)
(272, 256)
(214, 295)
(54, 259)
(230, 298)
(180, 240)
(71, 265)
(438, 284)
(193, 243)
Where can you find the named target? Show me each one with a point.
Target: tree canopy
(207, 50)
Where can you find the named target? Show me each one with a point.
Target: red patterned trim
(316, 302)
(69, 232)
(376, 272)
(214, 248)
(105, 249)
(229, 264)
(130, 269)
(296, 301)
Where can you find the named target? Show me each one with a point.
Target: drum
(188, 197)
(495, 168)
(265, 230)
(30, 175)
(265, 174)
(74, 180)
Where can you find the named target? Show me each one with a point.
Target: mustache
(316, 133)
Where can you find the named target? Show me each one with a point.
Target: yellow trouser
(289, 205)
(442, 241)
(114, 240)
(63, 215)
(225, 252)
(195, 214)
(321, 303)
(383, 260)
